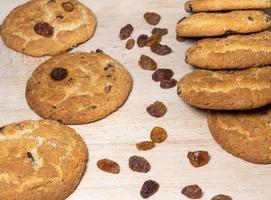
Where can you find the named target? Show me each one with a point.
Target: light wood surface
(115, 136)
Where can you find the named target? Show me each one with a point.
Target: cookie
(221, 5)
(246, 135)
(40, 160)
(78, 88)
(227, 90)
(232, 52)
(48, 27)
(217, 24)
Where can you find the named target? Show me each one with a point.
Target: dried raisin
(109, 166)
(147, 63)
(145, 146)
(152, 18)
(139, 164)
(142, 40)
(162, 74)
(221, 197)
(158, 135)
(160, 49)
(130, 44)
(198, 158)
(126, 32)
(157, 109)
(149, 188)
(154, 39)
(160, 31)
(192, 192)
(68, 6)
(167, 84)
(44, 29)
(58, 74)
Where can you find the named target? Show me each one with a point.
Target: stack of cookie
(235, 79)
(45, 159)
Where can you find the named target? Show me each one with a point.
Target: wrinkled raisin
(139, 164)
(192, 192)
(198, 158)
(221, 197)
(142, 40)
(68, 6)
(108, 166)
(154, 39)
(130, 44)
(160, 49)
(160, 31)
(126, 32)
(44, 29)
(162, 74)
(158, 135)
(147, 63)
(58, 74)
(167, 84)
(152, 18)
(157, 109)
(145, 146)
(149, 188)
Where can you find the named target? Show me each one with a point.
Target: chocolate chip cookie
(217, 24)
(227, 90)
(78, 88)
(232, 52)
(40, 160)
(48, 27)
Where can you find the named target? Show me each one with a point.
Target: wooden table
(115, 136)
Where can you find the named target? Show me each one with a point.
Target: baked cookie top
(232, 52)
(227, 90)
(246, 135)
(78, 88)
(220, 5)
(217, 24)
(40, 160)
(48, 27)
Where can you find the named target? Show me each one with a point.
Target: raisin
(180, 39)
(158, 135)
(126, 32)
(30, 156)
(68, 6)
(198, 158)
(161, 49)
(162, 74)
(149, 188)
(108, 166)
(139, 164)
(145, 146)
(192, 192)
(154, 39)
(147, 63)
(221, 197)
(167, 84)
(152, 18)
(107, 89)
(160, 31)
(130, 44)
(157, 109)
(59, 74)
(142, 40)
(44, 29)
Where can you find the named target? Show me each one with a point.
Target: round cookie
(40, 160)
(78, 88)
(246, 135)
(218, 24)
(227, 90)
(232, 52)
(48, 27)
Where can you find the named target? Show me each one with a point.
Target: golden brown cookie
(78, 88)
(220, 5)
(232, 52)
(227, 90)
(48, 27)
(217, 24)
(246, 135)
(40, 160)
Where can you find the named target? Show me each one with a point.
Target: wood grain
(115, 136)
